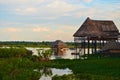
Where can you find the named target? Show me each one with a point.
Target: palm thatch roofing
(111, 45)
(101, 29)
(59, 43)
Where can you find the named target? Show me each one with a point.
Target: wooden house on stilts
(59, 47)
(94, 32)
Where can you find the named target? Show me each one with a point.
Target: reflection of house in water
(59, 47)
(93, 32)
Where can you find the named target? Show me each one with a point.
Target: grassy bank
(22, 68)
(95, 69)
(109, 67)
(19, 64)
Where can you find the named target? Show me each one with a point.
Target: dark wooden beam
(84, 46)
(95, 45)
(92, 47)
(88, 46)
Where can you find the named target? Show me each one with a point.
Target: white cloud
(88, 0)
(37, 10)
(59, 35)
(63, 32)
(26, 11)
(40, 29)
(21, 1)
(12, 30)
(51, 10)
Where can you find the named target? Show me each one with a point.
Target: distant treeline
(31, 44)
(39, 44)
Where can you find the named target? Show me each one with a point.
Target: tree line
(31, 44)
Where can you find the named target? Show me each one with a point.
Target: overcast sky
(49, 20)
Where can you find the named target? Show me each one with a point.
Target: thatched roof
(59, 43)
(97, 28)
(111, 45)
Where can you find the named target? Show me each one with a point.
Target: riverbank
(94, 68)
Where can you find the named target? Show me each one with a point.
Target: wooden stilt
(103, 43)
(100, 45)
(92, 47)
(76, 51)
(84, 46)
(75, 44)
(95, 45)
(88, 46)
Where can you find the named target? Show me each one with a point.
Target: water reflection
(75, 77)
(65, 55)
(49, 73)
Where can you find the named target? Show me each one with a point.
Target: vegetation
(25, 44)
(17, 69)
(43, 44)
(14, 52)
(20, 64)
(82, 77)
(44, 54)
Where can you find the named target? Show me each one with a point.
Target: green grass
(93, 68)
(104, 67)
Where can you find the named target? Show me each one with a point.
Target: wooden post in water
(95, 45)
(103, 43)
(76, 50)
(84, 46)
(92, 47)
(100, 45)
(88, 46)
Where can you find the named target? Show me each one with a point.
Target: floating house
(59, 47)
(92, 32)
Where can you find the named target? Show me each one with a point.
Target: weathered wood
(95, 46)
(96, 30)
(84, 47)
(88, 46)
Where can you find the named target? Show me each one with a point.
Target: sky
(50, 20)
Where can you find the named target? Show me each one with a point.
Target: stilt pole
(88, 46)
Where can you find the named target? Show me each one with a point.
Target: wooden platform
(74, 53)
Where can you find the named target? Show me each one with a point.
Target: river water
(53, 71)
(48, 73)
(66, 55)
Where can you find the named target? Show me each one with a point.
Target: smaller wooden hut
(111, 48)
(59, 47)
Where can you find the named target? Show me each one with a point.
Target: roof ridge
(103, 20)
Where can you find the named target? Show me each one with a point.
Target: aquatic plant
(45, 55)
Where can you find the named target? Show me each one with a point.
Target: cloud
(63, 32)
(21, 1)
(26, 11)
(12, 30)
(88, 1)
(40, 29)
(59, 35)
(42, 9)
(51, 10)
(51, 19)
